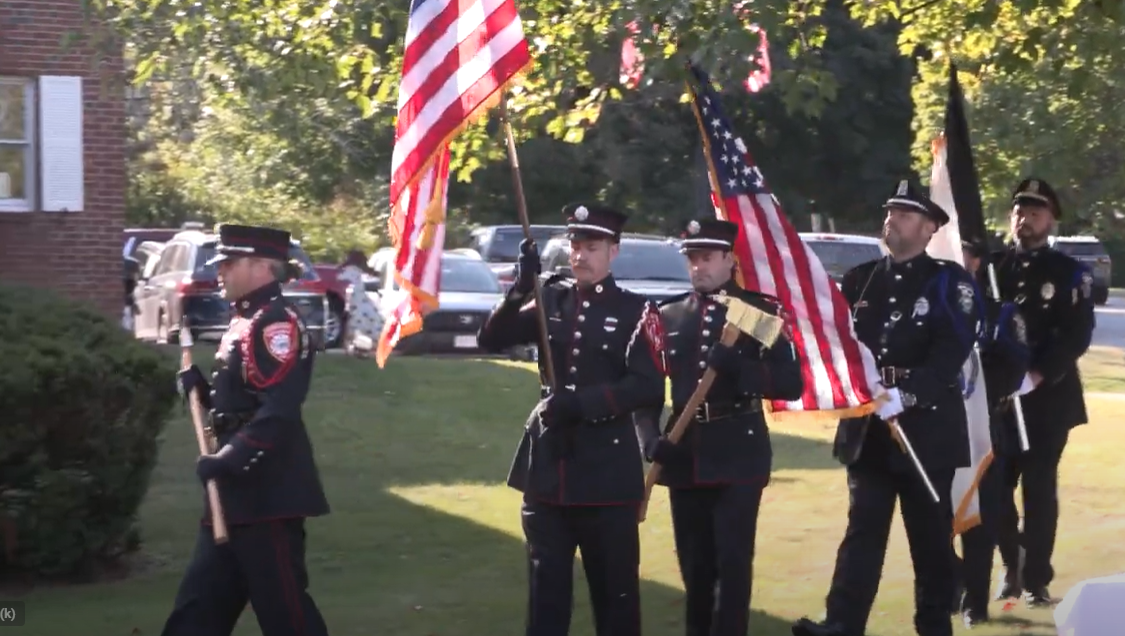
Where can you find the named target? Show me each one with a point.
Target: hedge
(81, 406)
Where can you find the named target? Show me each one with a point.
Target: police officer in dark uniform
(1004, 359)
(268, 482)
(716, 473)
(920, 317)
(1053, 292)
(579, 465)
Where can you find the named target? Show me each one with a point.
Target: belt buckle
(888, 378)
(703, 412)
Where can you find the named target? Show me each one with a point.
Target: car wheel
(1101, 295)
(164, 333)
(334, 324)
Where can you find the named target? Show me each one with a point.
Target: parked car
(469, 290)
(1090, 251)
(336, 291)
(647, 264)
(841, 252)
(180, 283)
(499, 245)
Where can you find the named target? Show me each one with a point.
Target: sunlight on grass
(425, 538)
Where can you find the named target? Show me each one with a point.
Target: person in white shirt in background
(364, 323)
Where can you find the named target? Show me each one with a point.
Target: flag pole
(521, 208)
(1017, 403)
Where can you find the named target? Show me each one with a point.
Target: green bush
(81, 406)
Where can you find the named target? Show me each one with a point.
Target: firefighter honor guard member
(1054, 294)
(716, 473)
(267, 479)
(579, 464)
(919, 316)
(1004, 359)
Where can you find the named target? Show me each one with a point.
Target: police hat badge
(581, 214)
(693, 227)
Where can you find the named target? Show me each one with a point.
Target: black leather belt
(892, 375)
(226, 422)
(711, 411)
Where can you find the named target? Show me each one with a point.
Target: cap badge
(693, 227)
(903, 186)
(1033, 186)
(581, 213)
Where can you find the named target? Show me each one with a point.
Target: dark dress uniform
(1004, 361)
(267, 479)
(920, 318)
(1053, 292)
(578, 464)
(716, 473)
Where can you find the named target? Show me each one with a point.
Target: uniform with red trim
(267, 478)
(921, 318)
(578, 463)
(716, 473)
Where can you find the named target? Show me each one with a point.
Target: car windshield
(466, 276)
(207, 252)
(650, 260)
(504, 244)
(1080, 249)
(840, 256)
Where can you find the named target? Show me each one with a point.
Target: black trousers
(263, 564)
(608, 539)
(1038, 470)
(715, 529)
(874, 486)
(979, 542)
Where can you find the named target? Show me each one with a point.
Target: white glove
(1027, 387)
(891, 406)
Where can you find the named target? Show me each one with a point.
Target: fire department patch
(654, 333)
(280, 339)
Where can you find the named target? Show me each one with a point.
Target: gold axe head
(759, 325)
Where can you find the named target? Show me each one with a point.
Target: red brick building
(62, 153)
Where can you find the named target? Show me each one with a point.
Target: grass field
(425, 541)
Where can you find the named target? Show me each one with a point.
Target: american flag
(459, 57)
(839, 371)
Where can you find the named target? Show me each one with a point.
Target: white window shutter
(61, 156)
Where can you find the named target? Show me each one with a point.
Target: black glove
(561, 409)
(527, 267)
(209, 467)
(724, 359)
(663, 451)
(192, 378)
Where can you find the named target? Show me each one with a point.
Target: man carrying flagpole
(1004, 357)
(920, 316)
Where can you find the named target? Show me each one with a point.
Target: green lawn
(1103, 370)
(424, 539)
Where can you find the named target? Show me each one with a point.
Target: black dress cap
(250, 240)
(909, 197)
(708, 234)
(1033, 191)
(593, 221)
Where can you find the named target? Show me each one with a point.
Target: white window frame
(26, 204)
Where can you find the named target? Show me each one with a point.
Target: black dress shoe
(973, 618)
(809, 627)
(1037, 598)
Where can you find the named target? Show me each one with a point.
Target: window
(17, 144)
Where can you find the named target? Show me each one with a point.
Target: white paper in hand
(1027, 387)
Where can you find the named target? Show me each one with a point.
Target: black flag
(959, 164)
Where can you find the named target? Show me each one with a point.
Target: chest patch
(231, 338)
(921, 307)
(1048, 291)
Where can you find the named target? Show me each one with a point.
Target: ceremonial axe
(742, 318)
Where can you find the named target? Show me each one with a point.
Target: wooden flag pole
(521, 208)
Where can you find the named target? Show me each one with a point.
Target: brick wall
(78, 253)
